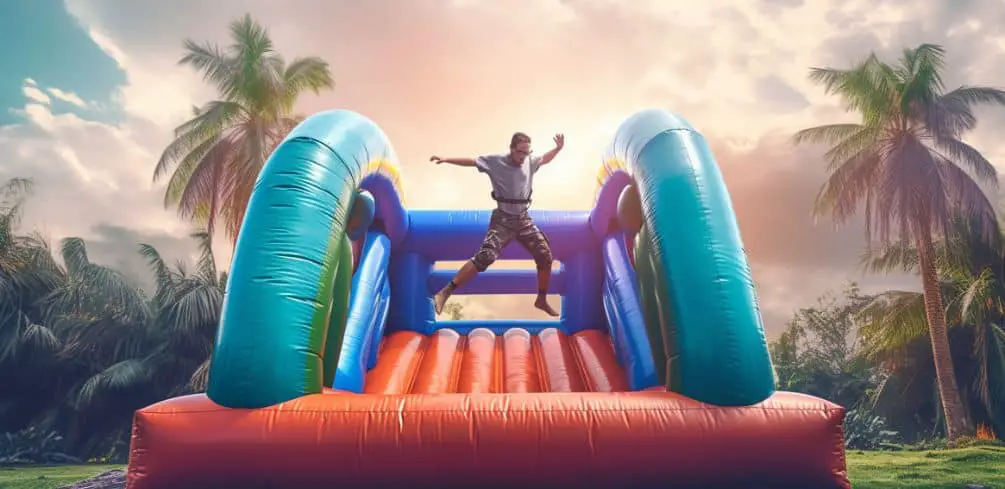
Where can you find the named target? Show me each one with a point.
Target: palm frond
(200, 378)
(196, 137)
(198, 308)
(95, 288)
(989, 346)
(217, 68)
(204, 189)
(206, 265)
(828, 134)
(40, 339)
(119, 376)
(966, 156)
(163, 276)
(302, 74)
(191, 163)
(970, 96)
(867, 88)
(847, 185)
(952, 114)
(211, 119)
(921, 69)
(74, 253)
(12, 324)
(892, 321)
(890, 257)
(14, 190)
(854, 146)
(965, 198)
(257, 80)
(975, 290)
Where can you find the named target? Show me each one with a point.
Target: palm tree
(135, 350)
(112, 349)
(188, 308)
(216, 156)
(973, 281)
(906, 164)
(27, 275)
(103, 326)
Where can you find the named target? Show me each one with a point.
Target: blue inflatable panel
(625, 317)
(366, 315)
(584, 281)
(456, 235)
(390, 214)
(383, 308)
(411, 302)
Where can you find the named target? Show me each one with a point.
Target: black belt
(512, 201)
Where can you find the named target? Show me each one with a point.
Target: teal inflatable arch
(695, 285)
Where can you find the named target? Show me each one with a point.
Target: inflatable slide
(331, 370)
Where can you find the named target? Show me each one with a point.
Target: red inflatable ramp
(537, 440)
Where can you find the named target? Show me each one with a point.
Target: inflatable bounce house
(331, 369)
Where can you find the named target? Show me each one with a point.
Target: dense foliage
(81, 348)
(865, 352)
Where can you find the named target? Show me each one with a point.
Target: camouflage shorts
(503, 228)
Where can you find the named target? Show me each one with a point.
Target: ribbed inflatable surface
(639, 440)
(482, 362)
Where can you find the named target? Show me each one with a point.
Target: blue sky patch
(46, 45)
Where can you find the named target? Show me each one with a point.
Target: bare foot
(439, 300)
(542, 304)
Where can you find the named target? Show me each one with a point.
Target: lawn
(936, 469)
(48, 477)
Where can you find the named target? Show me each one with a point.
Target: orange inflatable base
(525, 441)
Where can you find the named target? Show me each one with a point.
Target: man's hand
(436, 159)
(550, 155)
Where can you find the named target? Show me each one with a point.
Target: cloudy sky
(91, 90)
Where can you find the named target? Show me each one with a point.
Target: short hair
(518, 137)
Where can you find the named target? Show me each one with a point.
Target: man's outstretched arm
(453, 161)
(550, 155)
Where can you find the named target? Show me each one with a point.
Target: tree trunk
(957, 423)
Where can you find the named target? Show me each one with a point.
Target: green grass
(930, 469)
(49, 477)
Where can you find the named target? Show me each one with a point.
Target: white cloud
(44, 95)
(156, 89)
(86, 172)
(33, 93)
(39, 115)
(68, 97)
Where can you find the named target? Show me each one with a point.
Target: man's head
(519, 146)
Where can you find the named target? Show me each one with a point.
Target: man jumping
(512, 177)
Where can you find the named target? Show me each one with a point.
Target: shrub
(867, 431)
(31, 446)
